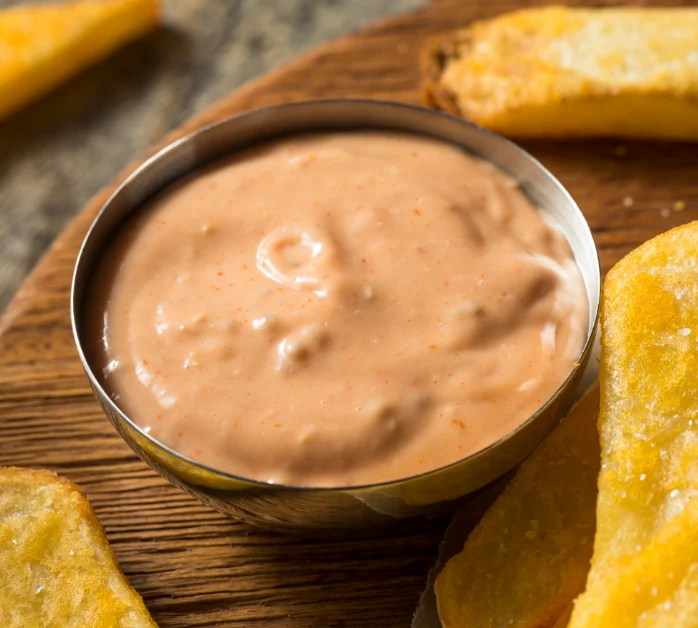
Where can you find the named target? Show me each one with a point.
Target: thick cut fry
(528, 558)
(562, 72)
(42, 45)
(644, 570)
(56, 567)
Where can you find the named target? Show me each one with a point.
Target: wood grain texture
(193, 566)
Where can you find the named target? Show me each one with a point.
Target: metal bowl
(341, 510)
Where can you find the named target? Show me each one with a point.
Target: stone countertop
(56, 153)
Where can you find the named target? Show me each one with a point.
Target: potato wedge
(528, 558)
(56, 567)
(42, 45)
(644, 571)
(562, 72)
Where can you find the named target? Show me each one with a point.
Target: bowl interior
(234, 134)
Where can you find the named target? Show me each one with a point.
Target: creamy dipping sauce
(337, 309)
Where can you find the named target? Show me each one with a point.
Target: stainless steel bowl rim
(74, 307)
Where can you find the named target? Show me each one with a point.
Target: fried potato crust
(563, 72)
(42, 45)
(528, 558)
(56, 567)
(644, 570)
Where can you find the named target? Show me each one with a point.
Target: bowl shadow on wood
(283, 580)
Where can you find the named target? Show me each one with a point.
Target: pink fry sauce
(337, 309)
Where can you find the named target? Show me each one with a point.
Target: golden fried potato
(56, 567)
(562, 72)
(528, 558)
(644, 571)
(42, 45)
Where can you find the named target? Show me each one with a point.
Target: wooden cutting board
(193, 566)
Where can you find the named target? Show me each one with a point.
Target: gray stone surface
(58, 152)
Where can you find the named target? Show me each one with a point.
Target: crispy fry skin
(645, 567)
(562, 72)
(42, 45)
(527, 560)
(56, 567)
